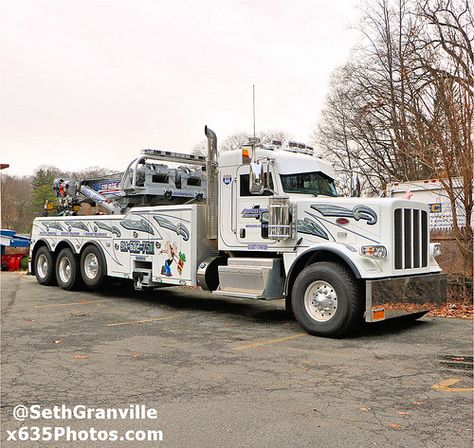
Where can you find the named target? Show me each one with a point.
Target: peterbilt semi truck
(261, 222)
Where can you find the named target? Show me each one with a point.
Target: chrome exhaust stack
(212, 184)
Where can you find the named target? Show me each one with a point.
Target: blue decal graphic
(140, 225)
(358, 212)
(112, 229)
(179, 229)
(309, 227)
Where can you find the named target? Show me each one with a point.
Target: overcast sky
(91, 82)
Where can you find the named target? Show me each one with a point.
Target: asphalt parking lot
(227, 372)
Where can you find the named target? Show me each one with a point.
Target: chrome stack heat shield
(212, 184)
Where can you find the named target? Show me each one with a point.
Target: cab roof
(286, 162)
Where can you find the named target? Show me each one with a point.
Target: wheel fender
(40, 243)
(328, 253)
(33, 250)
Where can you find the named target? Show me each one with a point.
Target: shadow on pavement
(197, 300)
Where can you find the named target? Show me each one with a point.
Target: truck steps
(253, 278)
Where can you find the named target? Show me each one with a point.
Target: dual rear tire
(68, 270)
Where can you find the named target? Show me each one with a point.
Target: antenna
(253, 91)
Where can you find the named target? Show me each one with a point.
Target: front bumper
(401, 296)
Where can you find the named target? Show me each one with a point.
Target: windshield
(308, 183)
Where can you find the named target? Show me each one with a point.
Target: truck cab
(244, 213)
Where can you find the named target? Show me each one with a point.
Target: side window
(245, 190)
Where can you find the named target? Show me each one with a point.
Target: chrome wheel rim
(65, 269)
(91, 266)
(320, 301)
(42, 266)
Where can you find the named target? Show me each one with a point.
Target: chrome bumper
(390, 297)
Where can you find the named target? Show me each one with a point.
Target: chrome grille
(410, 238)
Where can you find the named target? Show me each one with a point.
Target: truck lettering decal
(257, 246)
(358, 212)
(141, 225)
(179, 229)
(137, 247)
(42, 233)
(96, 234)
(255, 212)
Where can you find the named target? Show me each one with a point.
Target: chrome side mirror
(256, 178)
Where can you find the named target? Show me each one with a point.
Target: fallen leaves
(58, 341)
(80, 357)
(394, 426)
(457, 310)
(76, 314)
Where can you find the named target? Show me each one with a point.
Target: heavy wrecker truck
(263, 222)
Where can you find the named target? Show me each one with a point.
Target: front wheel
(326, 300)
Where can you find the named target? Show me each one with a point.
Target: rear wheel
(93, 268)
(326, 300)
(67, 272)
(44, 267)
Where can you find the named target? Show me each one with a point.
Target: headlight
(374, 251)
(435, 249)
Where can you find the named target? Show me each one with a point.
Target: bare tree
(402, 107)
(236, 141)
(200, 149)
(443, 108)
(239, 139)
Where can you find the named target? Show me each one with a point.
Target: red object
(342, 221)
(11, 262)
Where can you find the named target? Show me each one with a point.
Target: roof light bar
(170, 156)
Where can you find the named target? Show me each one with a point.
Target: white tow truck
(264, 222)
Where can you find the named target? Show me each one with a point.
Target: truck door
(252, 212)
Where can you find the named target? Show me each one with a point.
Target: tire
(44, 267)
(93, 267)
(339, 309)
(289, 307)
(67, 270)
